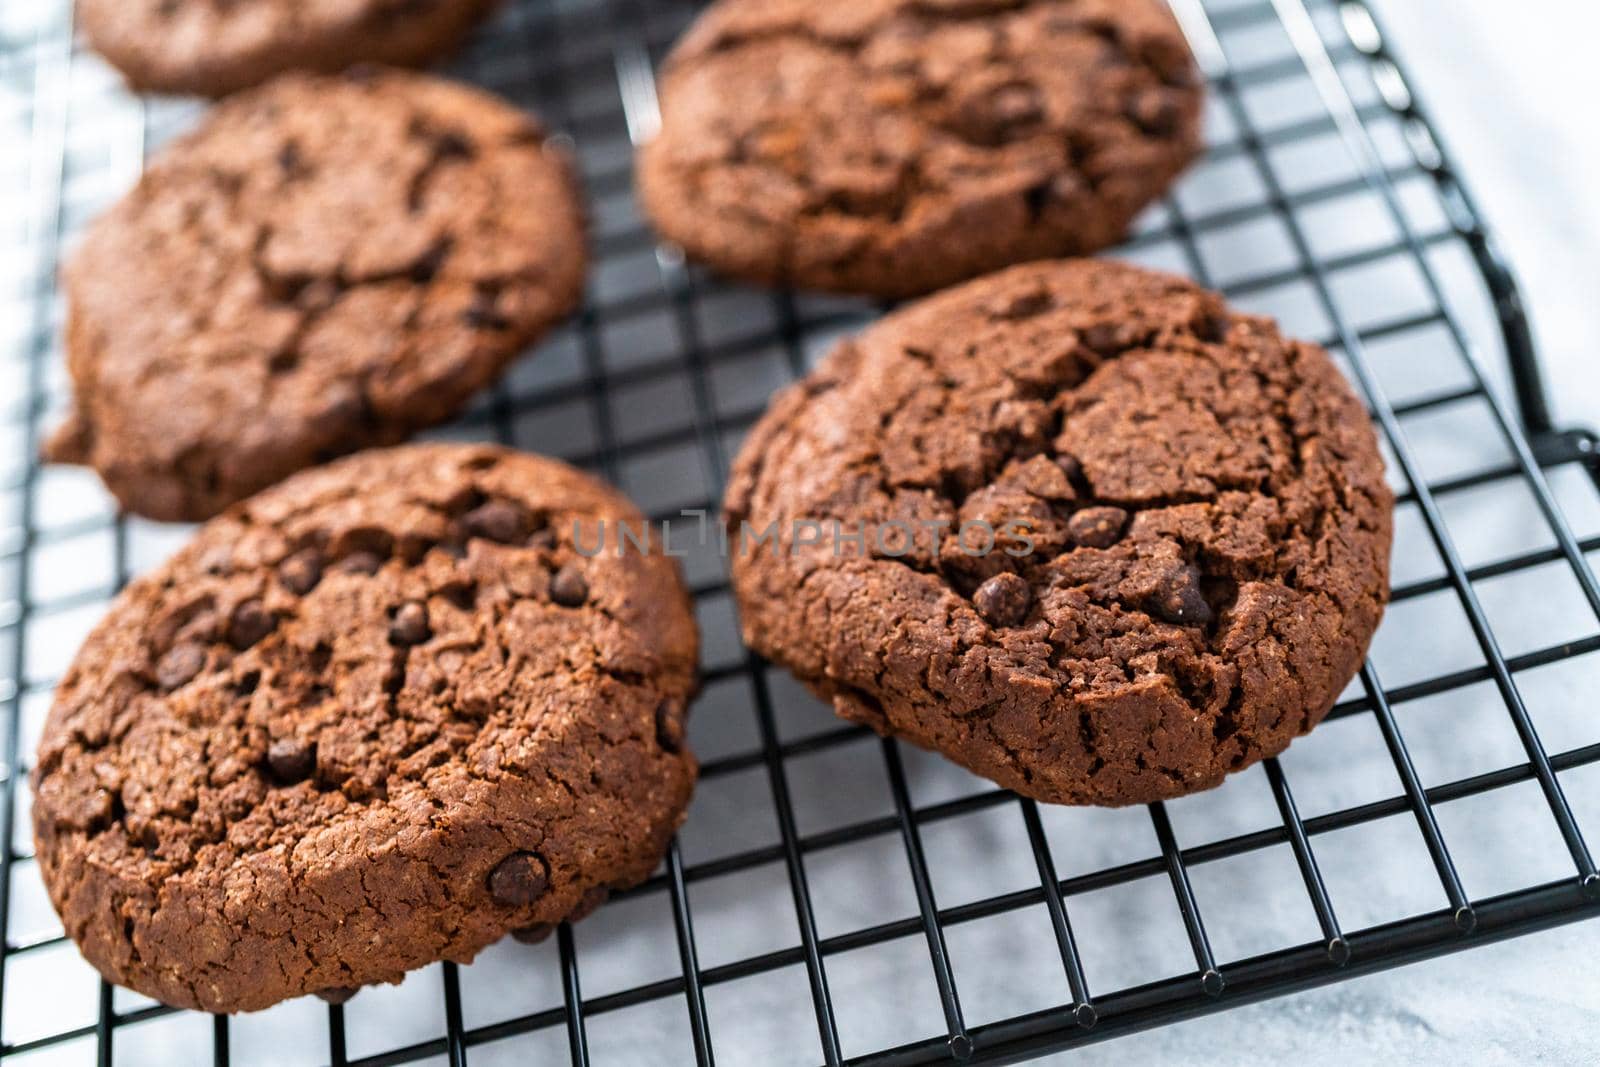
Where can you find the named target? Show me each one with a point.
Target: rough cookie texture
(1192, 532)
(892, 147)
(328, 263)
(214, 47)
(350, 729)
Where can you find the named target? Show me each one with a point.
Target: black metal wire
(959, 1042)
(1083, 1006)
(1306, 860)
(572, 998)
(1211, 980)
(542, 60)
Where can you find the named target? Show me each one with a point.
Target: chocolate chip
(1097, 527)
(569, 588)
(1022, 305)
(1178, 598)
(1061, 189)
(428, 264)
(1155, 112)
(1016, 105)
(180, 664)
(410, 624)
(289, 157)
(337, 995)
(250, 623)
(291, 759)
(217, 559)
(1003, 599)
(1001, 115)
(669, 725)
(301, 572)
(1214, 328)
(482, 313)
(498, 520)
(360, 563)
(1105, 338)
(535, 934)
(519, 879)
(453, 144)
(1070, 466)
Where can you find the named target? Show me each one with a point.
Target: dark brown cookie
(328, 263)
(892, 147)
(350, 730)
(212, 47)
(1075, 525)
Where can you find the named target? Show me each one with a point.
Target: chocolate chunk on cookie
(297, 279)
(892, 147)
(212, 47)
(1196, 532)
(411, 762)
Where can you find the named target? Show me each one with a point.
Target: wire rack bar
(772, 755)
(1211, 979)
(1083, 1007)
(1313, 50)
(959, 1043)
(572, 998)
(1306, 860)
(1417, 800)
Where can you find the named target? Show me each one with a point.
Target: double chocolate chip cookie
(328, 263)
(376, 716)
(213, 47)
(1076, 525)
(892, 147)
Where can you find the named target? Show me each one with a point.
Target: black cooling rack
(837, 898)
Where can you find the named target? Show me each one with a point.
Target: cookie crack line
(1064, 119)
(346, 707)
(1035, 565)
(1207, 531)
(340, 323)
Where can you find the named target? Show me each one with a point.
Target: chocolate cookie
(892, 147)
(376, 716)
(212, 47)
(327, 263)
(1075, 525)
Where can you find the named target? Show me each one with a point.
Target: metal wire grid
(669, 367)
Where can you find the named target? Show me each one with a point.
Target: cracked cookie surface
(328, 263)
(1191, 532)
(376, 716)
(892, 147)
(214, 47)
